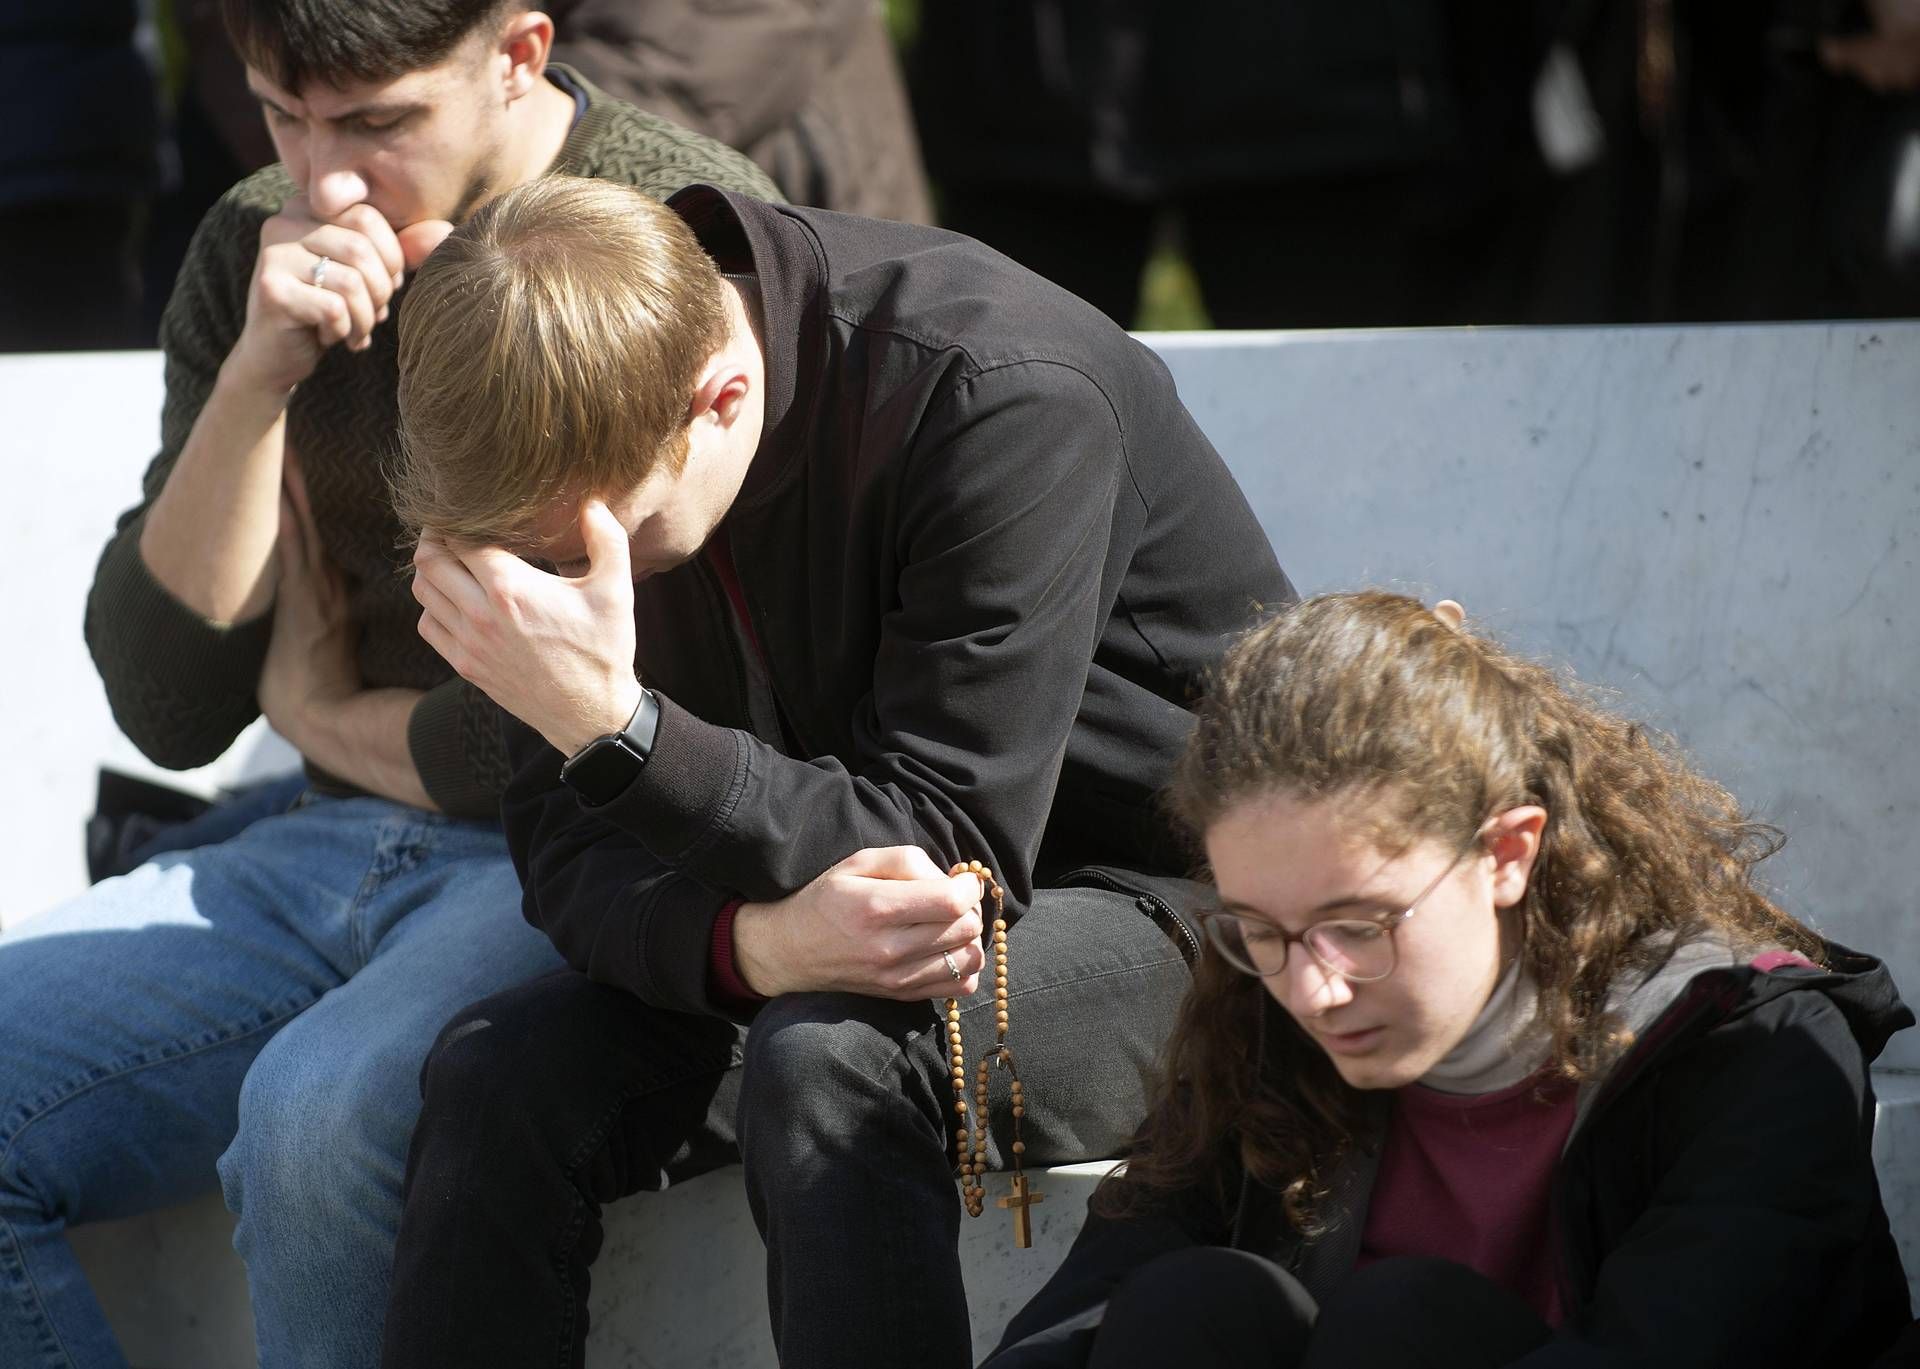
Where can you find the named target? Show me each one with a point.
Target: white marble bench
(678, 1283)
(1720, 523)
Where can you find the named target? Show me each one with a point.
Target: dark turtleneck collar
(746, 236)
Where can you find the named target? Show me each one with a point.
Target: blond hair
(548, 352)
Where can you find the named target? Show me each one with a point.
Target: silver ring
(320, 272)
(952, 968)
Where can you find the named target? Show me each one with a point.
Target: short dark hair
(337, 41)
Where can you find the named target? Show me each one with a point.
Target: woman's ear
(1512, 838)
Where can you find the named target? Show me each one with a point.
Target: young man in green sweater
(263, 1004)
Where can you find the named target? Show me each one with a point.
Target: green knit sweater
(181, 687)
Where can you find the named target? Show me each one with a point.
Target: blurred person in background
(1885, 56)
(1329, 164)
(810, 89)
(1749, 160)
(1419, 162)
(79, 121)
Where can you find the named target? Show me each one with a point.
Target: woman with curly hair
(1498, 1056)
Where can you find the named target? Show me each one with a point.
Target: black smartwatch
(600, 771)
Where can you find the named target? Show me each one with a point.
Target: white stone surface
(1896, 1157)
(680, 1282)
(1718, 523)
(79, 431)
(173, 1288)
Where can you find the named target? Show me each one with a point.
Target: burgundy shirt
(1469, 1178)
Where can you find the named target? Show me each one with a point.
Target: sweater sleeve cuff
(169, 672)
(438, 740)
(724, 984)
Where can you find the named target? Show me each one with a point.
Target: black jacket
(989, 557)
(1716, 1202)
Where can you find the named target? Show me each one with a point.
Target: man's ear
(721, 393)
(1512, 838)
(524, 44)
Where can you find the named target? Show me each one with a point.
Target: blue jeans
(257, 1008)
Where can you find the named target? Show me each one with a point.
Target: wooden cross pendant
(1021, 1199)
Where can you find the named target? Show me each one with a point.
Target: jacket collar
(1706, 981)
(745, 235)
(1653, 1006)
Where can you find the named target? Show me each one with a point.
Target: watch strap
(600, 771)
(644, 725)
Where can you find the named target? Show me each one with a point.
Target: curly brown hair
(1370, 697)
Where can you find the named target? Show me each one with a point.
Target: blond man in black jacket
(859, 553)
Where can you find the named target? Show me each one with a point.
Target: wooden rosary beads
(970, 1145)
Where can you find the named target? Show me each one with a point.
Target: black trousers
(1213, 1308)
(550, 1100)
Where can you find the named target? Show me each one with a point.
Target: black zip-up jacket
(1716, 1204)
(988, 557)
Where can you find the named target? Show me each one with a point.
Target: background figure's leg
(128, 1018)
(82, 292)
(1432, 1313)
(1235, 1310)
(847, 1125)
(543, 1103)
(314, 1172)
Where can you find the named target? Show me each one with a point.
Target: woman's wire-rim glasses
(1348, 947)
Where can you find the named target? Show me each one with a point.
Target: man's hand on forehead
(553, 541)
(556, 652)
